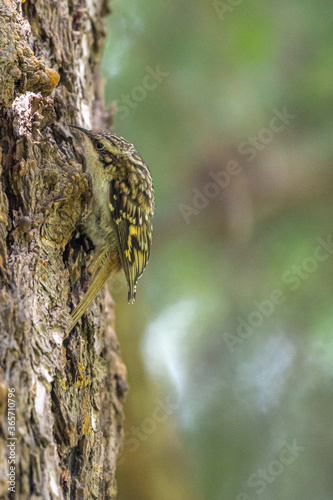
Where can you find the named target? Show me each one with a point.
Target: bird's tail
(109, 268)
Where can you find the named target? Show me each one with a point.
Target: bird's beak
(86, 132)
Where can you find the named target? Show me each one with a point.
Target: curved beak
(86, 132)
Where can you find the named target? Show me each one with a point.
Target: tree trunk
(60, 398)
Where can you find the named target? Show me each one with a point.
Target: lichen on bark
(69, 391)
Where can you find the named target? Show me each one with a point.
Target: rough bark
(68, 391)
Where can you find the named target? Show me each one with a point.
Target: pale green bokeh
(238, 404)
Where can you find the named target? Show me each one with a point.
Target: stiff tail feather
(106, 271)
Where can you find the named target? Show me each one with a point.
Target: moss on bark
(68, 392)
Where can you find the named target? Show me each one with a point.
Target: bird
(119, 223)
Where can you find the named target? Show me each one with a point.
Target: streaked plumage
(119, 224)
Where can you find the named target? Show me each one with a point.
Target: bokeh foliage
(226, 74)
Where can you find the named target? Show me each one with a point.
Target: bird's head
(104, 147)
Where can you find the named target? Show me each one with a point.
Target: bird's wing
(131, 215)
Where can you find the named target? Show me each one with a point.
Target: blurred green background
(229, 347)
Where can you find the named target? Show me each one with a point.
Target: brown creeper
(119, 223)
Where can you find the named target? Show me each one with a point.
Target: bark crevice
(68, 393)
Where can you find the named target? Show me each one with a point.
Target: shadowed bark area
(67, 392)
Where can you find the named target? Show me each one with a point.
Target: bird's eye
(99, 145)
